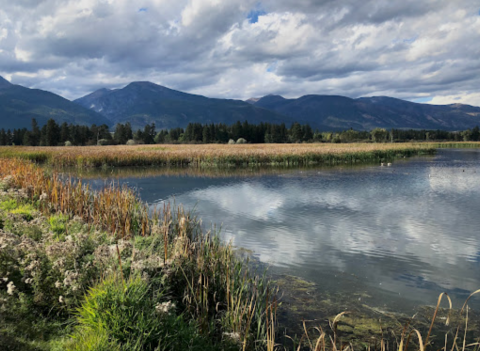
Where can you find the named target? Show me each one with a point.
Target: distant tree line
(53, 134)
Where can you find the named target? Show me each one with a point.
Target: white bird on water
(389, 164)
(381, 164)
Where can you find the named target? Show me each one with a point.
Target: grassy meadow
(217, 154)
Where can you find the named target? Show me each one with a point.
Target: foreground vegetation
(92, 271)
(217, 155)
(84, 270)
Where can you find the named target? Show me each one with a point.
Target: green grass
(14, 207)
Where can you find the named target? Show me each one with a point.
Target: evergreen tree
(9, 139)
(35, 133)
(128, 131)
(149, 134)
(296, 134)
(52, 133)
(3, 137)
(475, 134)
(207, 134)
(119, 134)
(64, 133)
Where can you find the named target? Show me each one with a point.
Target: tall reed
(217, 155)
(115, 209)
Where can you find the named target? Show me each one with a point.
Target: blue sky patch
(255, 13)
(272, 67)
(423, 100)
(143, 9)
(410, 40)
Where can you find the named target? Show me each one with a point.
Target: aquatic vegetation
(213, 155)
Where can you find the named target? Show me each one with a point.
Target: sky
(419, 50)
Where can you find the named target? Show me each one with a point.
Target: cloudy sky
(421, 50)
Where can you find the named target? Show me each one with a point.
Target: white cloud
(459, 98)
(405, 49)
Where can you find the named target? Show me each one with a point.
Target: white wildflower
(43, 197)
(165, 308)
(60, 299)
(58, 285)
(233, 336)
(145, 277)
(28, 281)
(10, 288)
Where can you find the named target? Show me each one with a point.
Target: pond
(391, 237)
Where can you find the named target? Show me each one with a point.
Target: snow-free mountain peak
(4, 83)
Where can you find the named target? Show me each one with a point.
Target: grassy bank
(91, 271)
(216, 155)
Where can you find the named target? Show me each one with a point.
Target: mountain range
(143, 102)
(18, 105)
(330, 112)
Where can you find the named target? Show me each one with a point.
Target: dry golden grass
(215, 154)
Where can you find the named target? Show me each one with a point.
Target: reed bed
(117, 210)
(216, 155)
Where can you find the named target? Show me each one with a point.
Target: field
(217, 155)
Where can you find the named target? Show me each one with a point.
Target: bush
(231, 142)
(241, 141)
(68, 143)
(103, 142)
(131, 142)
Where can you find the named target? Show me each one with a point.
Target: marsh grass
(213, 155)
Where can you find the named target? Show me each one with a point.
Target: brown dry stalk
(143, 155)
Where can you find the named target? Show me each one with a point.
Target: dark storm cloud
(408, 49)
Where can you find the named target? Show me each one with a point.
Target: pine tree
(52, 136)
(3, 137)
(64, 133)
(35, 134)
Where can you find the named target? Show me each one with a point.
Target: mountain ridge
(144, 102)
(18, 105)
(339, 112)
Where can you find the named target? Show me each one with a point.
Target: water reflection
(408, 231)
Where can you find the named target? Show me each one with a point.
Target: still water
(396, 235)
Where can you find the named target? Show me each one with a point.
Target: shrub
(241, 141)
(131, 142)
(103, 142)
(231, 142)
(68, 143)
